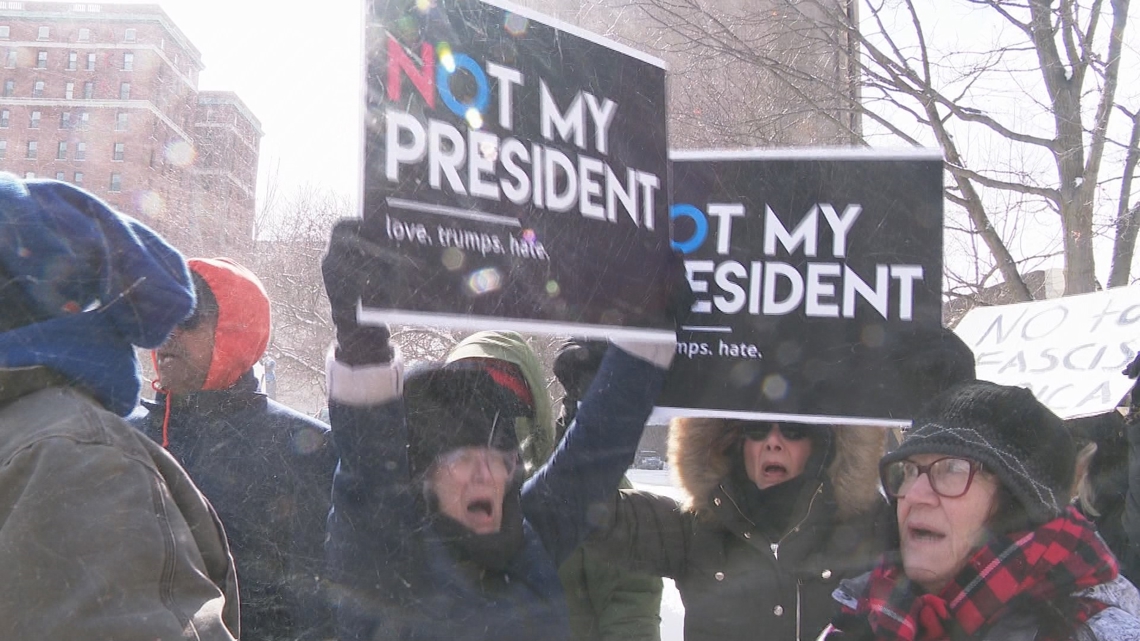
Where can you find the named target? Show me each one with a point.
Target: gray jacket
(102, 535)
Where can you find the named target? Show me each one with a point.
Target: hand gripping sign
(519, 166)
(814, 271)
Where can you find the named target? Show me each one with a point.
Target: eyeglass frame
(975, 467)
(512, 461)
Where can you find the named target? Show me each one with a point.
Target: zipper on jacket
(795, 528)
(775, 547)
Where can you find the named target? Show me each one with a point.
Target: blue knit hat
(91, 284)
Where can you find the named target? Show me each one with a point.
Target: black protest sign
(519, 166)
(818, 277)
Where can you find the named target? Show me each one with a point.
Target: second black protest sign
(817, 275)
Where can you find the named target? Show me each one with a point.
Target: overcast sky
(298, 68)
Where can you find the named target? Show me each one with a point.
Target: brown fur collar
(699, 457)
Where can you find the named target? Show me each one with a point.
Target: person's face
(184, 359)
(938, 534)
(775, 457)
(470, 484)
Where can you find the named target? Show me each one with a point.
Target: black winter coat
(268, 472)
(736, 582)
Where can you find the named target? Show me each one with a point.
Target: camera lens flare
(515, 24)
(484, 281)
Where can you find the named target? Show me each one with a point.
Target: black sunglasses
(192, 321)
(201, 312)
(758, 431)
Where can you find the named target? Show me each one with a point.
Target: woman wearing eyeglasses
(989, 547)
(779, 512)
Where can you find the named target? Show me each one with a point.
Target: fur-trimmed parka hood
(700, 451)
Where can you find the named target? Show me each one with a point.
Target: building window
(41, 60)
(89, 90)
(44, 33)
(65, 120)
(72, 61)
(35, 122)
(69, 90)
(128, 61)
(121, 121)
(33, 149)
(91, 62)
(3, 149)
(84, 35)
(130, 35)
(10, 62)
(78, 179)
(116, 182)
(9, 88)
(5, 115)
(38, 89)
(118, 152)
(61, 153)
(5, 32)
(28, 175)
(81, 151)
(84, 119)
(125, 91)
(59, 175)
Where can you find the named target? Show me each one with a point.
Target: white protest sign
(1068, 351)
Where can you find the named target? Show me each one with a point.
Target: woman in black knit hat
(989, 547)
(436, 531)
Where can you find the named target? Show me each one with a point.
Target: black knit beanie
(452, 406)
(1009, 432)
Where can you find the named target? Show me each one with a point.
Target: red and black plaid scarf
(1054, 560)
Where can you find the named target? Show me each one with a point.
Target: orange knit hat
(242, 333)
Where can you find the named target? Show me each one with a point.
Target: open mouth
(480, 508)
(924, 535)
(774, 468)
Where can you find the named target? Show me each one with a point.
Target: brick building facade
(105, 96)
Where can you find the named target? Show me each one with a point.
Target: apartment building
(105, 96)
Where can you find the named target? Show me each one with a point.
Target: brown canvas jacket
(102, 535)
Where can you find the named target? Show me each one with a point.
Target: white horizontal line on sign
(665, 413)
(707, 328)
(808, 153)
(453, 212)
(374, 316)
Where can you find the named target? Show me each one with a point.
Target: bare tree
(293, 236)
(1020, 95)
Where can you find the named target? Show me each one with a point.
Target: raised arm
(570, 496)
(374, 510)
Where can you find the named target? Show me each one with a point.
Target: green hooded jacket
(606, 602)
(537, 439)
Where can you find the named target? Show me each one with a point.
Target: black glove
(933, 362)
(674, 298)
(679, 293)
(577, 363)
(1133, 369)
(354, 264)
